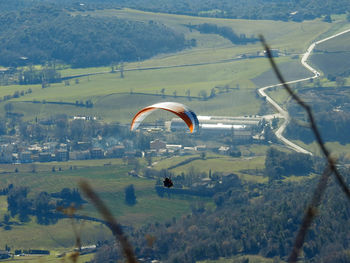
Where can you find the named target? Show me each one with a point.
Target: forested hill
(260, 221)
(296, 10)
(44, 34)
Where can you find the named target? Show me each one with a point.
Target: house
(6, 154)
(4, 254)
(25, 157)
(173, 147)
(243, 136)
(35, 149)
(224, 150)
(157, 145)
(62, 155)
(96, 153)
(118, 151)
(201, 148)
(45, 157)
(274, 52)
(79, 155)
(188, 149)
(82, 146)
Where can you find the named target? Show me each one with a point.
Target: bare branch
(314, 128)
(310, 214)
(331, 168)
(111, 222)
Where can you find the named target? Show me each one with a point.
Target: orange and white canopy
(187, 115)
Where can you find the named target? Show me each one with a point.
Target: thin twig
(111, 222)
(317, 197)
(314, 128)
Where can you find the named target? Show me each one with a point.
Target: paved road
(283, 113)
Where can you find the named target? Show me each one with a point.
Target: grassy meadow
(218, 163)
(333, 56)
(239, 259)
(109, 181)
(111, 94)
(48, 259)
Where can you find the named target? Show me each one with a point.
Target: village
(240, 130)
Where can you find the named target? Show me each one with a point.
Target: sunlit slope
(333, 57)
(117, 99)
(289, 35)
(108, 181)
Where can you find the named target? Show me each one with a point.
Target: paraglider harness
(167, 182)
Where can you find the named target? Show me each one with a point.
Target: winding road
(283, 113)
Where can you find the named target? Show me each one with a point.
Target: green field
(49, 259)
(108, 181)
(111, 94)
(335, 148)
(239, 259)
(333, 56)
(218, 163)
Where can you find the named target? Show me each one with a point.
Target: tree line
(279, 164)
(289, 10)
(225, 32)
(43, 206)
(332, 114)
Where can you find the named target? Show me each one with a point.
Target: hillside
(256, 219)
(43, 34)
(333, 57)
(213, 63)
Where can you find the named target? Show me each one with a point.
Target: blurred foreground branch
(331, 168)
(111, 222)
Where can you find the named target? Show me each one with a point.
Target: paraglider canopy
(187, 115)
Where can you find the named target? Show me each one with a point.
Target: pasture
(245, 258)
(48, 259)
(217, 163)
(212, 63)
(108, 181)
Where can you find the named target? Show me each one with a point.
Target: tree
(340, 81)
(212, 93)
(121, 68)
(274, 123)
(162, 92)
(130, 197)
(42, 208)
(327, 19)
(188, 94)
(203, 94)
(6, 219)
(8, 107)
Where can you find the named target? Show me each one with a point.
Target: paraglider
(168, 182)
(187, 115)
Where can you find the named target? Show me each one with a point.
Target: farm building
(239, 127)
